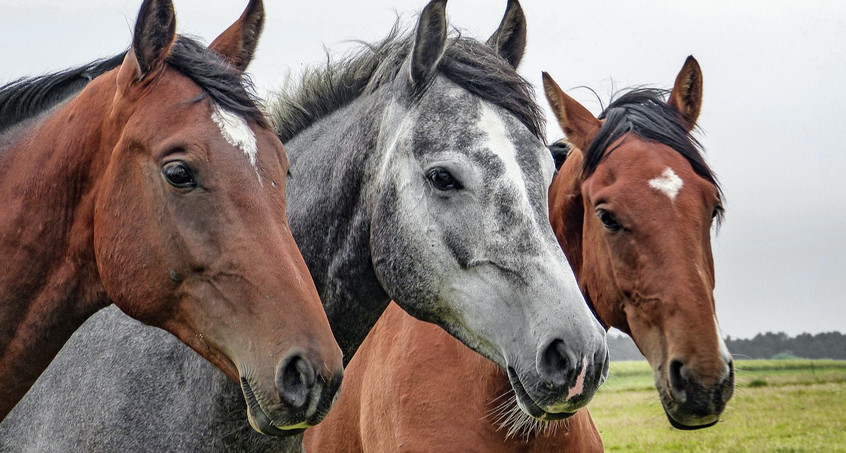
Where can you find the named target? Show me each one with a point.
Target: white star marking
(669, 183)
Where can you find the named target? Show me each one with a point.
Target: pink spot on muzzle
(579, 386)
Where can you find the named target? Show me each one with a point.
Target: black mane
(645, 113)
(27, 97)
(470, 64)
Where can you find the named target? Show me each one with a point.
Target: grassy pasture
(778, 406)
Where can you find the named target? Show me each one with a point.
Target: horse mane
(28, 97)
(644, 112)
(469, 63)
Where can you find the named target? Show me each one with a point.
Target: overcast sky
(774, 105)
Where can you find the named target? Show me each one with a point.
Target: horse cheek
(125, 241)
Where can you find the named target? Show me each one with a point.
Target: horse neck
(46, 229)
(333, 165)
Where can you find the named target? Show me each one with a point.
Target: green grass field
(778, 406)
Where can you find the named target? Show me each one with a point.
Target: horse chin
(682, 416)
(528, 405)
(692, 425)
(260, 421)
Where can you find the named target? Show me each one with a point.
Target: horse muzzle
(688, 404)
(304, 398)
(565, 383)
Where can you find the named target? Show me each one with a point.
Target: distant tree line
(827, 345)
(769, 345)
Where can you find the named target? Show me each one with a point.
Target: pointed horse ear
(429, 43)
(686, 96)
(155, 33)
(580, 126)
(238, 43)
(509, 40)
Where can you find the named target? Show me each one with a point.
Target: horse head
(190, 229)
(462, 181)
(633, 206)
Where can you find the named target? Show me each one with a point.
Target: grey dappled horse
(418, 174)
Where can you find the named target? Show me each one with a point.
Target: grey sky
(775, 100)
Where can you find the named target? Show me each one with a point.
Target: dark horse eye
(442, 179)
(608, 220)
(179, 175)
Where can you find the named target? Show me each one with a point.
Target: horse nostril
(603, 359)
(678, 383)
(295, 379)
(726, 387)
(555, 366)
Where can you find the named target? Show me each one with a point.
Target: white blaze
(500, 145)
(669, 183)
(237, 133)
(724, 351)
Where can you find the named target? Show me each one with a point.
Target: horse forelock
(469, 63)
(228, 87)
(644, 112)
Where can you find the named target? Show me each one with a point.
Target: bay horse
(159, 187)
(632, 206)
(418, 174)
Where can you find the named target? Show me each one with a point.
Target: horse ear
(575, 120)
(155, 33)
(686, 96)
(509, 40)
(238, 43)
(429, 42)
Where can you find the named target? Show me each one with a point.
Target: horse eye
(442, 179)
(179, 175)
(608, 220)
